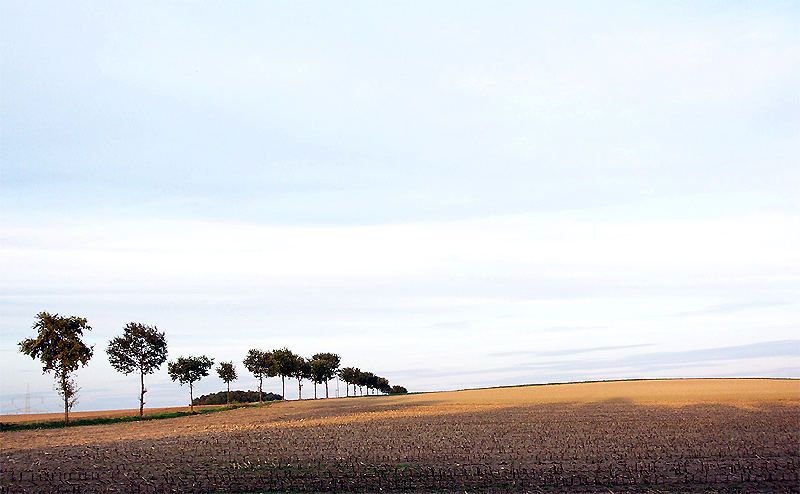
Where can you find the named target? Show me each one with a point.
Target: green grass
(55, 424)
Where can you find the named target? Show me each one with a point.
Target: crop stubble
(650, 435)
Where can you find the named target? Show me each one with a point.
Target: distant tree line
(226, 397)
(321, 368)
(142, 349)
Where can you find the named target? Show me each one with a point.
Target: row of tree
(319, 369)
(356, 377)
(143, 349)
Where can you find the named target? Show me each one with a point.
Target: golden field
(666, 435)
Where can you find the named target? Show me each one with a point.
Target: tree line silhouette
(143, 349)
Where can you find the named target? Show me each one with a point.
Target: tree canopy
(226, 371)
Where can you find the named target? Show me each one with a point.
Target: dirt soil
(641, 436)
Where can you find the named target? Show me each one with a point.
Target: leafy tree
(302, 370)
(140, 348)
(382, 385)
(188, 370)
(358, 377)
(324, 367)
(58, 345)
(260, 364)
(344, 375)
(317, 372)
(397, 390)
(361, 381)
(365, 380)
(350, 376)
(372, 382)
(285, 362)
(333, 367)
(227, 372)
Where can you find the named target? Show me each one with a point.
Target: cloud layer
(430, 190)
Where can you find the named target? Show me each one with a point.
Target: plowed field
(656, 436)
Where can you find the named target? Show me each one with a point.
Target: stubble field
(639, 436)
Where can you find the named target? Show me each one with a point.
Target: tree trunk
(260, 382)
(191, 399)
(299, 389)
(283, 387)
(228, 398)
(326, 389)
(66, 396)
(315, 390)
(141, 397)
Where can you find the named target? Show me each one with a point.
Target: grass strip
(55, 424)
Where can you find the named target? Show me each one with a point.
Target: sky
(447, 194)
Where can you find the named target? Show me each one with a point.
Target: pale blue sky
(450, 194)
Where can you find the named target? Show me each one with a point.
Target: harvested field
(687, 435)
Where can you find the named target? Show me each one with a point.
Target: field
(101, 414)
(706, 435)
